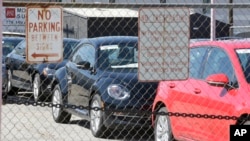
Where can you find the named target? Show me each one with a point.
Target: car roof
(64, 39)
(12, 38)
(225, 44)
(97, 41)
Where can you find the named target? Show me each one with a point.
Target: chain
(191, 115)
(176, 114)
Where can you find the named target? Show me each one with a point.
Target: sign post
(164, 35)
(44, 34)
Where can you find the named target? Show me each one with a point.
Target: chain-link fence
(117, 70)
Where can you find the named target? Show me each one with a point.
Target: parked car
(218, 84)
(102, 73)
(8, 44)
(34, 77)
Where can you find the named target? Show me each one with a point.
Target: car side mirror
(83, 65)
(219, 80)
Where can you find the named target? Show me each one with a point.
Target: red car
(218, 84)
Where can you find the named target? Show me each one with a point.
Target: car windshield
(68, 47)
(120, 56)
(244, 58)
(8, 45)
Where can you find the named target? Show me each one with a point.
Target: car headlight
(118, 92)
(47, 71)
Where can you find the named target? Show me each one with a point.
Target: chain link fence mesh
(78, 100)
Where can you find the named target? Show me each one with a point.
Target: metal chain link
(176, 114)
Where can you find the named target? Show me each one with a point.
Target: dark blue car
(102, 73)
(34, 78)
(8, 44)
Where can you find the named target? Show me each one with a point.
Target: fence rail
(126, 5)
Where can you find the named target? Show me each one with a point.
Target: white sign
(13, 19)
(163, 43)
(44, 34)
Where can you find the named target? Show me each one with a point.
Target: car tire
(58, 112)
(37, 95)
(97, 127)
(162, 127)
(10, 89)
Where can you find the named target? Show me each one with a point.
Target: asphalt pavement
(34, 123)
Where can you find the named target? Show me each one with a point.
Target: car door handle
(197, 91)
(171, 85)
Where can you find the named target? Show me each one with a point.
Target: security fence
(123, 71)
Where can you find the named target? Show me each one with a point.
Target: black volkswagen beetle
(102, 73)
(34, 78)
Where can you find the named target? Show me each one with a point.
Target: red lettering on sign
(44, 27)
(10, 13)
(44, 14)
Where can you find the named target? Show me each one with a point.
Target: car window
(8, 44)
(6, 50)
(68, 47)
(244, 58)
(219, 62)
(20, 48)
(197, 56)
(123, 55)
(85, 53)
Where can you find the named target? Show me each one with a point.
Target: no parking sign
(44, 34)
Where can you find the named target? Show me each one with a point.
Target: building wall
(241, 16)
(74, 26)
(112, 26)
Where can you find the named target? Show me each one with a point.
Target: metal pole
(231, 19)
(213, 24)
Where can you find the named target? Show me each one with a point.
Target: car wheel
(36, 88)
(162, 129)
(59, 114)
(10, 89)
(96, 117)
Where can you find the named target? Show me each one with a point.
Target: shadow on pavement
(145, 134)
